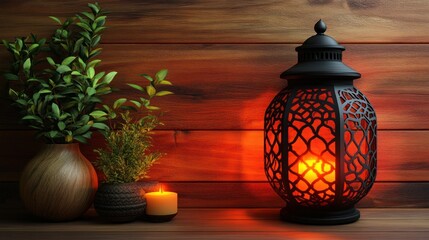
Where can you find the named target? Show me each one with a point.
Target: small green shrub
(127, 156)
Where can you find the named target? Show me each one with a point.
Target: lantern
(320, 137)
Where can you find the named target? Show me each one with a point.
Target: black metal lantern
(320, 137)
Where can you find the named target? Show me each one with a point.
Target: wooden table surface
(224, 223)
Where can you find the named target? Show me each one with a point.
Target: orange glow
(317, 176)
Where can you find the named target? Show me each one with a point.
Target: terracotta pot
(122, 202)
(58, 184)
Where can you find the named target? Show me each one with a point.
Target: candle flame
(160, 189)
(318, 177)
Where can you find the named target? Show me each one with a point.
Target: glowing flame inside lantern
(317, 178)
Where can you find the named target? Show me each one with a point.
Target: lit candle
(317, 173)
(161, 206)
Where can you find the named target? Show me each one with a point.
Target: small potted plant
(127, 156)
(57, 90)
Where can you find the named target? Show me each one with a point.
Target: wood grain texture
(307, 234)
(230, 86)
(224, 59)
(213, 21)
(228, 155)
(222, 224)
(261, 195)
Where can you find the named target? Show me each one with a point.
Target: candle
(318, 174)
(161, 206)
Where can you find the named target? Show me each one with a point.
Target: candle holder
(320, 137)
(161, 206)
(158, 218)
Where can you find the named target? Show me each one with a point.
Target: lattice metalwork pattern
(310, 126)
(311, 148)
(273, 142)
(360, 144)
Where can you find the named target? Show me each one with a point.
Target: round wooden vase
(58, 184)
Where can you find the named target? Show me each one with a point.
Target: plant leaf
(90, 91)
(84, 26)
(128, 108)
(135, 86)
(152, 108)
(12, 93)
(68, 138)
(67, 79)
(97, 114)
(101, 126)
(88, 15)
(150, 90)
(52, 134)
(81, 130)
(45, 91)
(61, 125)
(161, 74)
(19, 43)
(27, 65)
(100, 19)
(109, 77)
(56, 20)
(78, 45)
(137, 103)
(90, 72)
(165, 82)
(6, 44)
(50, 61)
(95, 41)
(55, 109)
(99, 29)
(147, 77)
(95, 9)
(98, 76)
(10, 77)
(80, 139)
(86, 35)
(33, 46)
(32, 117)
(163, 93)
(119, 102)
(63, 68)
(68, 60)
(94, 63)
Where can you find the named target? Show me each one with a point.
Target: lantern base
(315, 217)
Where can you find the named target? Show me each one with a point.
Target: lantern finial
(320, 27)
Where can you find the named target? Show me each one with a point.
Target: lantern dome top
(320, 40)
(320, 56)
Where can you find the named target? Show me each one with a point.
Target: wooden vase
(58, 184)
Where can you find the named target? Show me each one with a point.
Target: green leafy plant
(127, 156)
(58, 88)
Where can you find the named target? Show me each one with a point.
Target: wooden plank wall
(225, 58)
